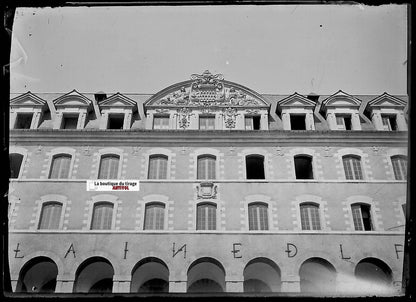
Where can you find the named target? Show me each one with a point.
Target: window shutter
(357, 218)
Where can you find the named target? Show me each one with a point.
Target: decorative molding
(230, 116)
(184, 114)
(206, 190)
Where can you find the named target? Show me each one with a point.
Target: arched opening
(375, 275)
(38, 275)
(255, 167)
(206, 275)
(317, 275)
(303, 167)
(261, 275)
(150, 275)
(94, 275)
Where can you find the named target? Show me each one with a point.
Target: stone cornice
(204, 138)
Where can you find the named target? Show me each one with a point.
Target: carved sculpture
(230, 115)
(206, 190)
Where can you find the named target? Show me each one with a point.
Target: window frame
(207, 166)
(21, 167)
(342, 126)
(117, 115)
(154, 204)
(24, 113)
(113, 213)
(206, 118)
(310, 220)
(51, 165)
(69, 115)
(362, 225)
(161, 116)
(208, 204)
(259, 204)
(388, 126)
(311, 159)
(149, 162)
(47, 203)
(351, 157)
(297, 115)
(108, 155)
(403, 170)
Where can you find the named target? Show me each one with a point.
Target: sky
(271, 49)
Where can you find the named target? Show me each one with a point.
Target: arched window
(60, 166)
(154, 216)
(15, 164)
(109, 166)
(102, 216)
(206, 216)
(257, 216)
(309, 216)
(399, 163)
(361, 215)
(255, 167)
(158, 167)
(50, 215)
(352, 167)
(206, 167)
(303, 167)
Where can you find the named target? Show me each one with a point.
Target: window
(15, 164)
(252, 122)
(343, 122)
(309, 216)
(161, 122)
(207, 122)
(50, 216)
(352, 167)
(361, 217)
(206, 217)
(257, 216)
(158, 167)
(102, 216)
(206, 167)
(115, 121)
(389, 122)
(69, 121)
(109, 167)
(297, 122)
(303, 167)
(23, 121)
(154, 216)
(399, 163)
(60, 166)
(255, 167)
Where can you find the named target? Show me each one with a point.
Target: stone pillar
(177, 286)
(286, 121)
(121, 284)
(355, 121)
(377, 121)
(309, 123)
(332, 121)
(81, 120)
(64, 284)
(264, 122)
(194, 121)
(234, 286)
(346, 282)
(401, 122)
(219, 121)
(290, 284)
(58, 120)
(104, 120)
(127, 120)
(239, 122)
(13, 116)
(149, 120)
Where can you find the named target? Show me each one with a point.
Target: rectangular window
(309, 216)
(252, 122)
(161, 122)
(69, 121)
(23, 121)
(115, 121)
(297, 122)
(206, 167)
(389, 122)
(399, 167)
(206, 217)
(50, 216)
(207, 122)
(109, 167)
(60, 166)
(303, 167)
(257, 217)
(102, 216)
(154, 216)
(361, 217)
(352, 167)
(343, 122)
(158, 167)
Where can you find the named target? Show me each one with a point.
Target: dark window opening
(256, 122)
(23, 120)
(255, 167)
(69, 122)
(297, 122)
(303, 167)
(393, 124)
(115, 121)
(365, 212)
(347, 121)
(15, 163)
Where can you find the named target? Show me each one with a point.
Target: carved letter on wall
(235, 251)
(291, 252)
(182, 248)
(397, 250)
(125, 250)
(17, 251)
(342, 253)
(71, 249)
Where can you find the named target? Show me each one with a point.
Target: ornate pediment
(341, 99)
(207, 90)
(117, 101)
(387, 101)
(296, 100)
(72, 99)
(27, 100)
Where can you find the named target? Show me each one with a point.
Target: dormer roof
(341, 99)
(72, 99)
(28, 99)
(118, 100)
(386, 101)
(296, 101)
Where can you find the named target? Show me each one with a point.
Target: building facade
(239, 192)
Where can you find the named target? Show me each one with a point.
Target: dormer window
(115, 121)
(69, 121)
(389, 122)
(297, 122)
(161, 122)
(23, 121)
(343, 122)
(252, 122)
(207, 122)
